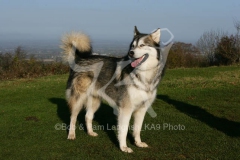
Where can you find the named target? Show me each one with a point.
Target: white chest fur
(141, 98)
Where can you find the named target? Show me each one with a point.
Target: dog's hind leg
(138, 121)
(92, 104)
(124, 116)
(76, 104)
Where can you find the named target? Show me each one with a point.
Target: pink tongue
(136, 62)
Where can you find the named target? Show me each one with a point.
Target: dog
(129, 84)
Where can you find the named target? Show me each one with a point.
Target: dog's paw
(141, 144)
(94, 134)
(71, 136)
(126, 149)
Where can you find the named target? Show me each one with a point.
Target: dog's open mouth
(138, 61)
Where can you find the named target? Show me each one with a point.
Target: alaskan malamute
(129, 84)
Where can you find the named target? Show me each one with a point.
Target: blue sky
(115, 19)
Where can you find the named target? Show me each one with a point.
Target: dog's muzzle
(138, 61)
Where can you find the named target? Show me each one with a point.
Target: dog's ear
(136, 32)
(156, 35)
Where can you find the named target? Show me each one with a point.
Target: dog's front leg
(138, 121)
(123, 123)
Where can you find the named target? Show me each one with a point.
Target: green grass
(205, 102)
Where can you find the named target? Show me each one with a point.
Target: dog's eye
(142, 45)
(132, 46)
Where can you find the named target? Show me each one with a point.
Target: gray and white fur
(129, 84)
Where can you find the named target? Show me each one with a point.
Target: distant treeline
(212, 48)
(16, 65)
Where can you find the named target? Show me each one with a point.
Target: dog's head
(144, 50)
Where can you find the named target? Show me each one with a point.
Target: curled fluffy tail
(75, 43)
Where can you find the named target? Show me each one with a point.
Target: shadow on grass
(229, 128)
(104, 117)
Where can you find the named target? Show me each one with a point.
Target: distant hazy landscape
(49, 49)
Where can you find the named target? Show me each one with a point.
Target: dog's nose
(131, 53)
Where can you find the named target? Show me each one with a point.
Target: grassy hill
(198, 117)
